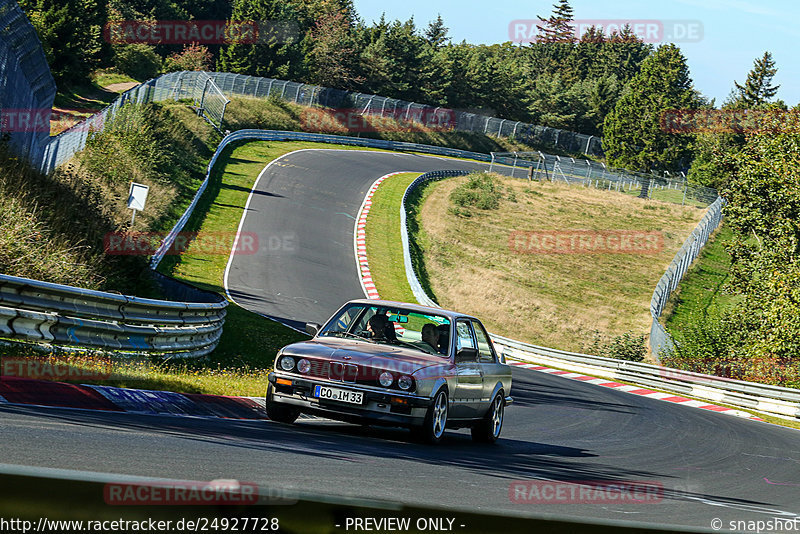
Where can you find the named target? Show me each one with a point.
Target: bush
(193, 57)
(628, 346)
(482, 191)
(715, 343)
(139, 61)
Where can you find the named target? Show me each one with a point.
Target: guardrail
(65, 315)
(764, 398)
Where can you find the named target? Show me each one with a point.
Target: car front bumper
(379, 406)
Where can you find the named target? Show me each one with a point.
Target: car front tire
(488, 430)
(280, 412)
(432, 429)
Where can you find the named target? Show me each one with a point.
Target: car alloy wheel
(488, 430)
(432, 429)
(439, 415)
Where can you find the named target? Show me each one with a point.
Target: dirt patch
(120, 87)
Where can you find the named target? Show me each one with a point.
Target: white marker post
(137, 196)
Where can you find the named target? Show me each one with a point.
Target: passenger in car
(430, 335)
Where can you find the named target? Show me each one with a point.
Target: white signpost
(137, 196)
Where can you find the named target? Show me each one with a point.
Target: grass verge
(701, 290)
(384, 246)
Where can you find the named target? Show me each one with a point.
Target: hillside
(495, 262)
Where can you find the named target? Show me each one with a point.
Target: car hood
(365, 353)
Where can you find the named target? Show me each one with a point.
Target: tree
(334, 53)
(71, 35)
(633, 137)
(763, 211)
(758, 89)
(436, 33)
(557, 28)
(273, 55)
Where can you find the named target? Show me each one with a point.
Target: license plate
(336, 394)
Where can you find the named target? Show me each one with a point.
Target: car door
(469, 380)
(492, 370)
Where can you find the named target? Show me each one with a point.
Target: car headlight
(287, 363)
(386, 379)
(405, 382)
(304, 366)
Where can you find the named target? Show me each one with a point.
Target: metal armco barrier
(764, 398)
(65, 315)
(761, 397)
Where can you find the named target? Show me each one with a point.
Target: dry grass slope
(555, 300)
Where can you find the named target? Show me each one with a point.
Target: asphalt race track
(303, 213)
(709, 465)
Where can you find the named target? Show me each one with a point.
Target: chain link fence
(660, 340)
(368, 104)
(27, 88)
(198, 87)
(668, 188)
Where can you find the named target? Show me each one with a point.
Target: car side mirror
(467, 354)
(312, 328)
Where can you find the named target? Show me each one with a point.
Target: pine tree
(758, 89)
(632, 134)
(436, 33)
(557, 28)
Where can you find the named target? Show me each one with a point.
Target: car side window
(464, 336)
(485, 351)
(347, 318)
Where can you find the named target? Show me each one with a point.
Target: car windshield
(391, 326)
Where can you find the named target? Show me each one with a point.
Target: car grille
(344, 372)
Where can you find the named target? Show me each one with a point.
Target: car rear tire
(432, 429)
(280, 412)
(488, 430)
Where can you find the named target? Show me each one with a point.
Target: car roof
(429, 310)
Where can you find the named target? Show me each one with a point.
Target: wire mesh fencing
(368, 104)
(586, 173)
(27, 88)
(198, 87)
(660, 340)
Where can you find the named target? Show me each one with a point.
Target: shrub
(628, 346)
(481, 190)
(139, 61)
(192, 57)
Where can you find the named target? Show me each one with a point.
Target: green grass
(249, 341)
(384, 247)
(107, 77)
(702, 288)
